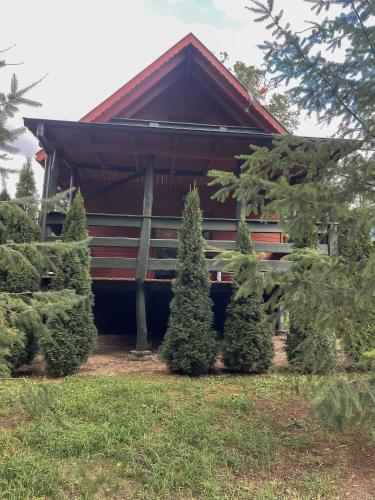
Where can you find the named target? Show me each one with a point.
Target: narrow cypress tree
(189, 345)
(4, 195)
(247, 333)
(67, 345)
(73, 264)
(75, 225)
(26, 188)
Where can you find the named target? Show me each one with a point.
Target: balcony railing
(55, 220)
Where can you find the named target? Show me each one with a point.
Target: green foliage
(17, 226)
(311, 350)
(251, 77)
(354, 242)
(311, 183)
(75, 224)
(168, 437)
(247, 333)
(9, 105)
(4, 195)
(17, 274)
(69, 338)
(71, 332)
(73, 271)
(189, 344)
(26, 190)
(346, 403)
(358, 345)
(12, 343)
(281, 106)
(254, 79)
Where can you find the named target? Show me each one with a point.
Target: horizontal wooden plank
(113, 241)
(212, 264)
(259, 246)
(170, 264)
(113, 263)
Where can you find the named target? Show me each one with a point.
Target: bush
(189, 345)
(12, 347)
(69, 338)
(17, 274)
(357, 344)
(247, 334)
(71, 332)
(73, 271)
(310, 350)
(18, 227)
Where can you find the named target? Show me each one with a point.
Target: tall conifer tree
(248, 333)
(4, 195)
(72, 333)
(329, 68)
(189, 345)
(26, 189)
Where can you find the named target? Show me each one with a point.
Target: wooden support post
(144, 246)
(54, 173)
(73, 184)
(43, 213)
(332, 240)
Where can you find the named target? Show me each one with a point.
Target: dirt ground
(112, 356)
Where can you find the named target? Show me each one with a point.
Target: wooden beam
(54, 173)
(115, 185)
(259, 246)
(113, 263)
(146, 150)
(214, 264)
(143, 251)
(170, 265)
(41, 135)
(73, 184)
(43, 213)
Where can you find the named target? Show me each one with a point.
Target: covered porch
(134, 175)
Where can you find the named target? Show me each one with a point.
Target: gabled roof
(189, 50)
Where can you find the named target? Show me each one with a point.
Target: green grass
(132, 436)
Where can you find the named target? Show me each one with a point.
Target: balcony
(217, 226)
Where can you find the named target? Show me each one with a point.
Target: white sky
(90, 48)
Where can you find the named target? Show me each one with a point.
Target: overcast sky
(90, 48)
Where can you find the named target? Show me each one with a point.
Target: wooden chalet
(134, 158)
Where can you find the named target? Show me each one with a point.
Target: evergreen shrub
(69, 338)
(189, 344)
(17, 274)
(247, 333)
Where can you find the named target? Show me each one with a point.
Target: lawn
(156, 436)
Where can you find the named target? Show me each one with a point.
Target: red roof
(188, 49)
(132, 90)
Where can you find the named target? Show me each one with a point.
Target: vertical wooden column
(51, 185)
(43, 213)
(54, 173)
(73, 183)
(144, 246)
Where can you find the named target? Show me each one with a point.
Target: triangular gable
(159, 75)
